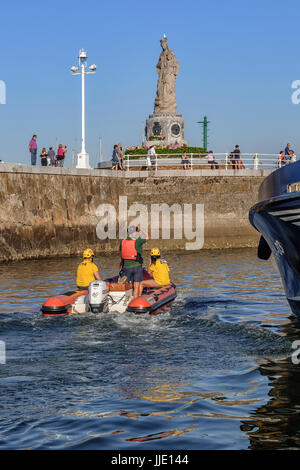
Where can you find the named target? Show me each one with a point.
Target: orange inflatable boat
(109, 296)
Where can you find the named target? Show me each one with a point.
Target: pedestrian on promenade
(256, 162)
(236, 157)
(185, 161)
(51, 157)
(33, 149)
(60, 155)
(151, 157)
(211, 160)
(292, 156)
(44, 157)
(281, 159)
(121, 156)
(230, 162)
(115, 158)
(287, 149)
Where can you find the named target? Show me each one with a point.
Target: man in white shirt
(151, 157)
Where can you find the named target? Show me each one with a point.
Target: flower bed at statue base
(166, 151)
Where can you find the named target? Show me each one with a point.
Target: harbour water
(214, 371)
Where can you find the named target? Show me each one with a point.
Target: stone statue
(167, 69)
(165, 127)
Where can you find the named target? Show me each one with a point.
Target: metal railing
(253, 161)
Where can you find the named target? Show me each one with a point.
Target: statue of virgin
(167, 69)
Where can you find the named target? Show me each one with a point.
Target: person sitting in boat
(158, 269)
(87, 271)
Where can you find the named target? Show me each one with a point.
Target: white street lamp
(83, 156)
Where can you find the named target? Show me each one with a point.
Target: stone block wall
(46, 213)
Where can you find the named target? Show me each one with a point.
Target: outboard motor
(98, 296)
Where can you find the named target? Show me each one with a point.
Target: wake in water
(189, 377)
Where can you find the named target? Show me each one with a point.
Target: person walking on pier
(236, 157)
(44, 157)
(185, 162)
(281, 159)
(60, 155)
(211, 160)
(292, 157)
(121, 156)
(116, 158)
(151, 158)
(33, 149)
(51, 157)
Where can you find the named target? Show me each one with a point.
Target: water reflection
(276, 424)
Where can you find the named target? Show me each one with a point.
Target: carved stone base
(170, 126)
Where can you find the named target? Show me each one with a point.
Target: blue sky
(237, 60)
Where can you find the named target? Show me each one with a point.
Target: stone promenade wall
(45, 212)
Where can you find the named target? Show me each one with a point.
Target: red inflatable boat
(109, 296)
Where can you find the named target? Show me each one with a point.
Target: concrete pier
(46, 212)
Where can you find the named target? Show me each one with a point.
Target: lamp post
(83, 156)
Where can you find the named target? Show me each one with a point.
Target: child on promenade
(44, 156)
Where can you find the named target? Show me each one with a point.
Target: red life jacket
(128, 250)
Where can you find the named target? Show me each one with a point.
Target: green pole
(205, 123)
(205, 133)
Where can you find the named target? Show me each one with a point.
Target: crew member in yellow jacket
(87, 271)
(158, 269)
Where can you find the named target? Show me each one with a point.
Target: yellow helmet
(88, 253)
(155, 252)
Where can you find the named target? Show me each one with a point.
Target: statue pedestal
(170, 126)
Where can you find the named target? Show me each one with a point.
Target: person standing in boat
(131, 257)
(87, 270)
(159, 270)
